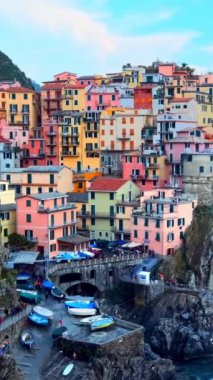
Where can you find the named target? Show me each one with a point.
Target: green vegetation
(9, 71)
(19, 242)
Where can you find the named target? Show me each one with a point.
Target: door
(78, 166)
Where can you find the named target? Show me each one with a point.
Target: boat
(59, 332)
(23, 276)
(47, 284)
(80, 312)
(29, 296)
(38, 319)
(101, 323)
(57, 293)
(81, 304)
(68, 369)
(27, 339)
(88, 320)
(43, 312)
(79, 298)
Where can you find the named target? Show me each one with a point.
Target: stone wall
(201, 187)
(131, 344)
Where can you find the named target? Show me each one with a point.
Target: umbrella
(47, 284)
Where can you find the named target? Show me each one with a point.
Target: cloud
(144, 19)
(208, 49)
(87, 37)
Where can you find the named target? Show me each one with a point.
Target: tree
(20, 242)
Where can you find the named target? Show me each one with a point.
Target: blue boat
(23, 276)
(81, 304)
(38, 319)
(47, 284)
(101, 323)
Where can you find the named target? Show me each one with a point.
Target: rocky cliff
(8, 369)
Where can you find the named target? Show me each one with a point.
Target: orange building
(81, 180)
(143, 96)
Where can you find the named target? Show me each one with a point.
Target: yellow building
(73, 98)
(21, 106)
(7, 212)
(78, 136)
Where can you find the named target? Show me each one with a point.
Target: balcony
(66, 206)
(61, 225)
(50, 133)
(51, 154)
(67, 153)
(74, 134)
(120, 230)
(51, 143)
(104, 215)
(65, 133)
(74, 143)
(26, 112)
(123, 137)
(32, 239)
(152, 166)
(151, 177)
(65, 143)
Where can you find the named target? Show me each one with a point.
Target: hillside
(9, 71)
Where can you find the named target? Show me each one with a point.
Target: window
(25, 96)
(170, 223)
(51, 179)
(72, 216)
(157, 236)
(5, 232)
(132, 132)
(111, 222)
(28, 203)
(201, 169)
(52, 247)
(181, 222)
(28, 218)
(131, 120)
(39, 190)
(146, 235)
(52, 235)
(55, 202)
(135, 220)
(52, 220)
(29, 178)
(92, 195)
(111, 196)
(67, 102)
(123, 120)
(76, 92)
(65, 217)
(75, 102)
(102, 132)
(102, 144)
(135, 233)
(113, 97)
(50, 189)
(170, 237)
(88, 97)
(93, 221)
(111, 132)
(13, 96)
(181, 235)
(146, 222)
(157, 225)
(171, 208)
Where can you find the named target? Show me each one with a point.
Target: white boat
(81, 312)
(68, 369)
(88, 320)
(43, 312)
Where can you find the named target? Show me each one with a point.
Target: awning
(132, 244)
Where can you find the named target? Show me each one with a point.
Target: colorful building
(81, 181)
(109, 202)
(7, 212)
(82, 211)
(45, 219)
(161, 221)
(99, 98)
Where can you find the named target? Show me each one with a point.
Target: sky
(46, 37)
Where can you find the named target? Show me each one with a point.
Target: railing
(9, 321)
(91, 262)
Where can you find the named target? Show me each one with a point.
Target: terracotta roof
(53, 86)
(73, 86)
(17, 89)
(181, 100)
(107, 184)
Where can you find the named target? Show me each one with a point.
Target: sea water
(197, 369)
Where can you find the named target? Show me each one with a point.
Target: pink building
(66, 76)
(162, 220)
(5, 85)
(166, 69)
(102, 97)
(45, 219)
(187, 141)
(14, 134)
(33, 153)
(86, 80)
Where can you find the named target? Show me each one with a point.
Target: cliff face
(193, 262)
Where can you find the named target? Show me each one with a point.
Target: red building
(34, 152)
(143, 96)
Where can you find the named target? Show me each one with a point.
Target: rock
(8, 369)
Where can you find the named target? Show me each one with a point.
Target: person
(60, 322)
(74, 356)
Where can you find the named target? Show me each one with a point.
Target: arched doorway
(83, 289)
(70, 277)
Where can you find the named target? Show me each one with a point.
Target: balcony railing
(120, 230)
(101, 214)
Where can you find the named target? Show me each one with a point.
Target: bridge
(101, 273)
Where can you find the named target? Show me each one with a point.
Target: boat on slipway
(59, 332)
(101, 323)
(81, 304)
(68, 369)
(38, 319)
(81, 311)
(88, 320)
(27, 339)
(57, 293)
(43, 312)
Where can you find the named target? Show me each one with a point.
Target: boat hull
(88, 320)
(27, 339)
(81, 304)
(43, 312)
(101, 323)
(38, 319)
(81, 312)
(68, 369)
(57, 293)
